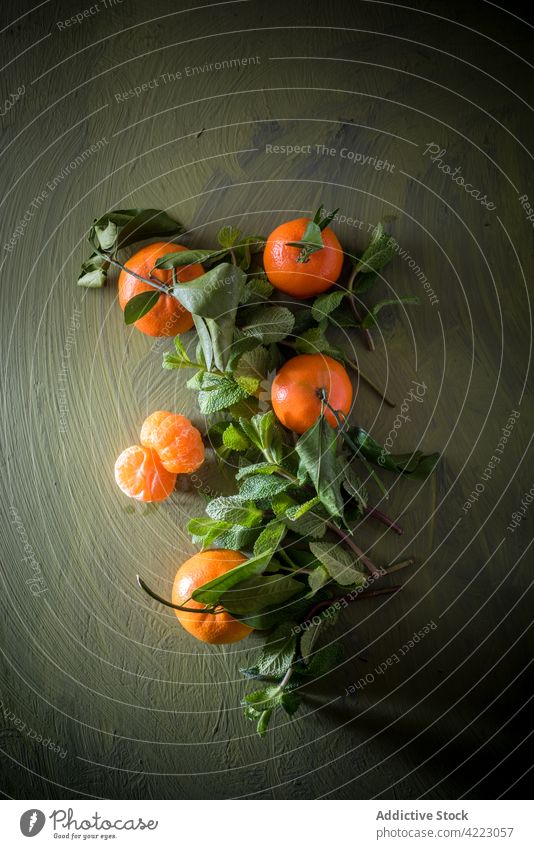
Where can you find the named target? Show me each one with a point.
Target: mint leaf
(278, 652)
(257, 469)
(256, 288)
(325, 659)
(325, 304)
(234, 438)
(314, 341)
(380, 250)
(218, 393)
(270, 537)
(237, 538)
(339, 563)
(228, 236)
(268, 323)
(231, 508)
(205, 531)
(317, 578)
(263, 431)
(299, 510)
(255, 487)
(372, 316)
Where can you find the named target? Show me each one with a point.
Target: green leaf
(262, 486)
(204, 340)
(270, 537)
(180, 359)
(106, 234)
(317, 578)
(240, 347)
(211, 592)
(380, 250)
(256, 288)
(414, 465)
(263, 431)
(268, 323)
(278, 653)
(178, 259)
(249, 385)
(314, 341)
(312, 240)
(143, 224)
(310, 526)
(215, 294)
(237, 538)
(123, 227)
(338, 562)
(232, 508)
(218, 393)
(228, 236)
(325, 304)
(325, 659)
(298, 510)
(205, 531)
(316, 449)
(140, 305)
(354, 486)
(257, 469)
(260, 592)
(254, 362)
(94, 272)
(234, 438)
(372, 316)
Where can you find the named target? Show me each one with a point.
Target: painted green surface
(140, 709)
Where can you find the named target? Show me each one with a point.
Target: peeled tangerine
(178, 442)
(141, 475)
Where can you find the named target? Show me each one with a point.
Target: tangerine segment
(177, 441)
(140, 474)
(299, 385)
(301, 279)
(198, 570)
(168, 317)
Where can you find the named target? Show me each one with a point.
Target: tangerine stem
(156, 597)
(147, 280)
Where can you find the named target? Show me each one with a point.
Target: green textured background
(140, 709)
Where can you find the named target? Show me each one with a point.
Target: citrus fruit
(198, 570)
(177, 441)
(301, 279)
(299, 386)
(168, 317)
(140, 474)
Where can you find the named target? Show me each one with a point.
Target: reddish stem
(377, 514)
(355, 548)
